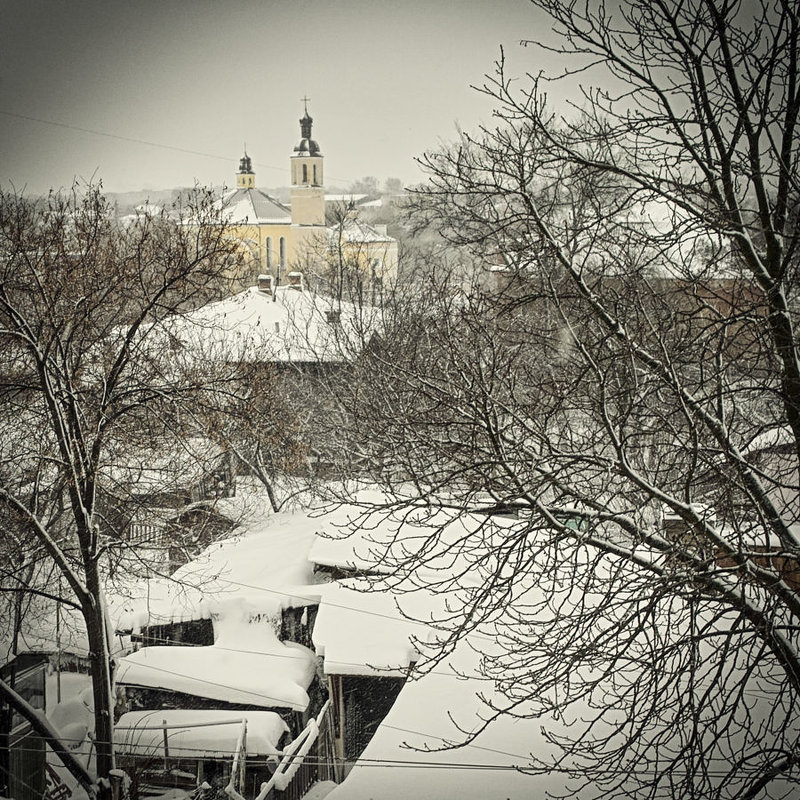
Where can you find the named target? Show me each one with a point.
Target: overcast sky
(386, 80)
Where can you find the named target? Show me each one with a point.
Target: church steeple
(307, 146)
(245, 177)
(308, 196)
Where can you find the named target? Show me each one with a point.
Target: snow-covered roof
(369, 633)
(249, 667)
(357, 538)
(422, 720)
(261, 570)
(253, 207)
(376, 628)
(356, 231)
(141, 733)
(290, 325)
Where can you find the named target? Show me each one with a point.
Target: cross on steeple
(305, 103)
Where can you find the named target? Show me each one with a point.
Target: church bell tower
(308, 195)
(245, 177)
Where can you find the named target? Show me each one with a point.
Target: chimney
(295, 280)
(265, 284)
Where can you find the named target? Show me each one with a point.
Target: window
(283, 251)
(305, 173)
(315, 174)
(269, 251)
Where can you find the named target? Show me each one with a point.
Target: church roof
(307, 146)
(254, 207)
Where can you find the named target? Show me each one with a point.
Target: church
(279, 239)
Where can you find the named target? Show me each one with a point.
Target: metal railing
(294, 776)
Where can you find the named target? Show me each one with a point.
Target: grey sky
(386, 81)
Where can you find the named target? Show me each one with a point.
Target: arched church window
(305, 173)
(315, 174)
(269, 251)
(283, 251)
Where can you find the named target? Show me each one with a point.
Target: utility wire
(159, 145)
(314, 601)
(388, 763)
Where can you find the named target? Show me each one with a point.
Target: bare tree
(625, 385)
(257, 422)
(87, 375)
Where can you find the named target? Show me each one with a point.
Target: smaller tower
(245, 177)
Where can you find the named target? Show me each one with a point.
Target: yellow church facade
(278, 239)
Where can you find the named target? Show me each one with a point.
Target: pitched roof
(289, 326)
(254, 207)
(354, 230)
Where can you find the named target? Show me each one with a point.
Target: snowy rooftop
(357, 633)
(288, 326)
(421, 722)
(368, 633)
(247, 667)
(262, 569)
(190, 734)
(354, 230)
(253, 207)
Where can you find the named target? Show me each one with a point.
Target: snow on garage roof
(264, 673)
(367, 633)
(422, 718)
(367, 537)
(141, 732)
(263, 569)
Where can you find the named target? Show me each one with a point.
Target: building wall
(262, 245)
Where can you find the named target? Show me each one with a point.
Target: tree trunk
(100, 665)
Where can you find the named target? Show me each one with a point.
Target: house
(283, 607)
(254, 625)
(365, 251)
(285, 325)
(227, 636)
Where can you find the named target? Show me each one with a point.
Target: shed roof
(197, 733)
(265, 673)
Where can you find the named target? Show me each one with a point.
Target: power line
(388, 763)
(327, 603)
(378, 670)
(148, 143)
(123, 138)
